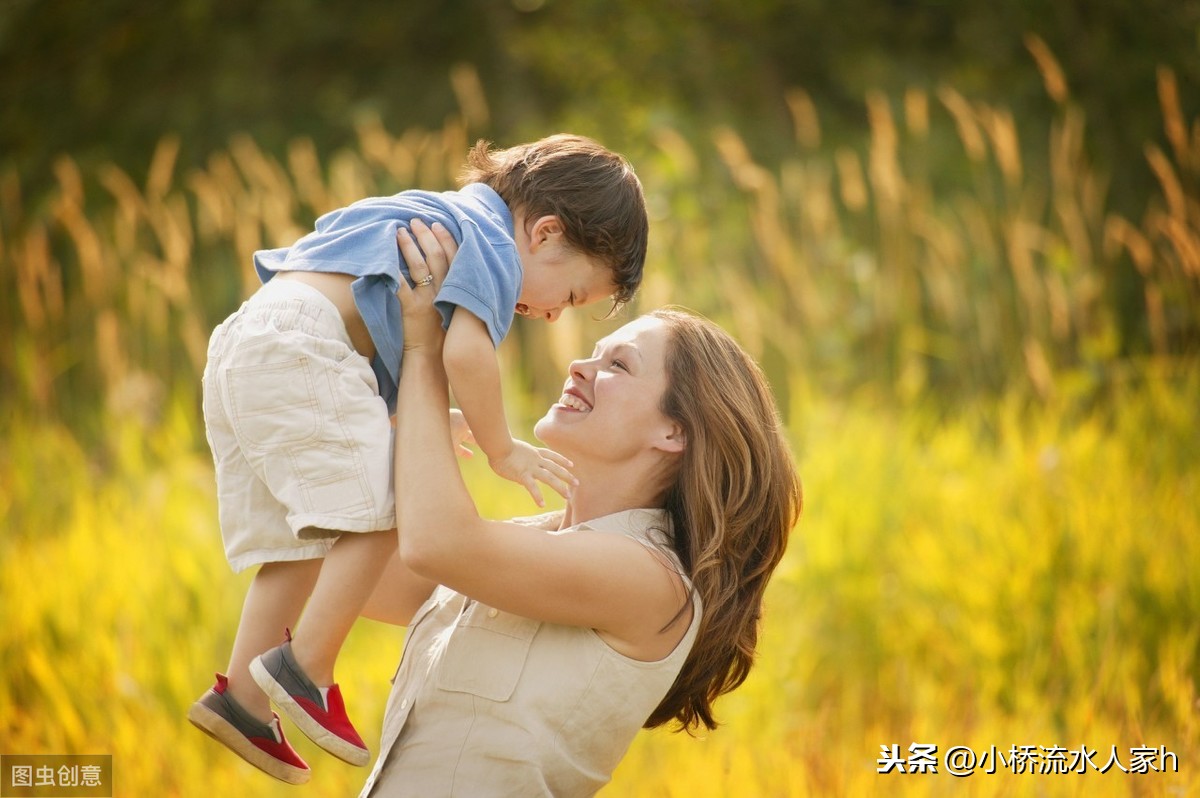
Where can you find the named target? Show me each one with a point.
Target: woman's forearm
(433, 507)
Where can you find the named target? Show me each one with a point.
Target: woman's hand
(428, 256)
(460, 434)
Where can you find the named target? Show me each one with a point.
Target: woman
(535, 651)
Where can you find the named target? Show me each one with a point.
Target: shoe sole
(227, 734)
(330, 742)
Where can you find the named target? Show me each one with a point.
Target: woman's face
(609, 409)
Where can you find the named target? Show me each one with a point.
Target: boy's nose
(552, 315)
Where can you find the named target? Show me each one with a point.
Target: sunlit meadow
(1001, 538)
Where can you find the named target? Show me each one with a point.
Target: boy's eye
(618, 364)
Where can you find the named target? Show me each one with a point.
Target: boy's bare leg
(272, 604)
(348, 577)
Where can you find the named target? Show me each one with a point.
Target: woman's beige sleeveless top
(486, 703)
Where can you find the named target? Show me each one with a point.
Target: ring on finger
(424, 281)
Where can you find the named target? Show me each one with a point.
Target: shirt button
(493, 612)
(404, 704)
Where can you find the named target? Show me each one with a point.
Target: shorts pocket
(332, 482)
(274, 404)
(487, 652)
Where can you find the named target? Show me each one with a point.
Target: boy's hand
(527, 465)
(460, 433)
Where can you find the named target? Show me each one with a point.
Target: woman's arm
(398, 594)
(602, 581)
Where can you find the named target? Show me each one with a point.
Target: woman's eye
(618, 364)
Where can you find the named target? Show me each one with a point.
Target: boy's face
(556, 276)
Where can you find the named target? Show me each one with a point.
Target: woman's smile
(573, 399)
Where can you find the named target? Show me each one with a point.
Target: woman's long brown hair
(733, 504)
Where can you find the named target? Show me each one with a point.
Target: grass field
(996, 578)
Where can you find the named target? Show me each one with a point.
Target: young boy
(301, 381)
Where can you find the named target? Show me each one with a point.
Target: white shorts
(300, 437)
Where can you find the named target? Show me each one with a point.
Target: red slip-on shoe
(322, 718)
(261, 744)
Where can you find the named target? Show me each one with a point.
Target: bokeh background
(963, 239)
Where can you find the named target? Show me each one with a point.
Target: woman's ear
(674, 441)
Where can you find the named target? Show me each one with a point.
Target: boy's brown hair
(592, 190)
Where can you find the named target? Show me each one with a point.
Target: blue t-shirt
(360, 240)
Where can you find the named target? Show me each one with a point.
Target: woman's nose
(552, 315)
(580, 370)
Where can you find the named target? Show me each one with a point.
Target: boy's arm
(474, 376)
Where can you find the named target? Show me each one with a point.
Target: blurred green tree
(104, 80)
